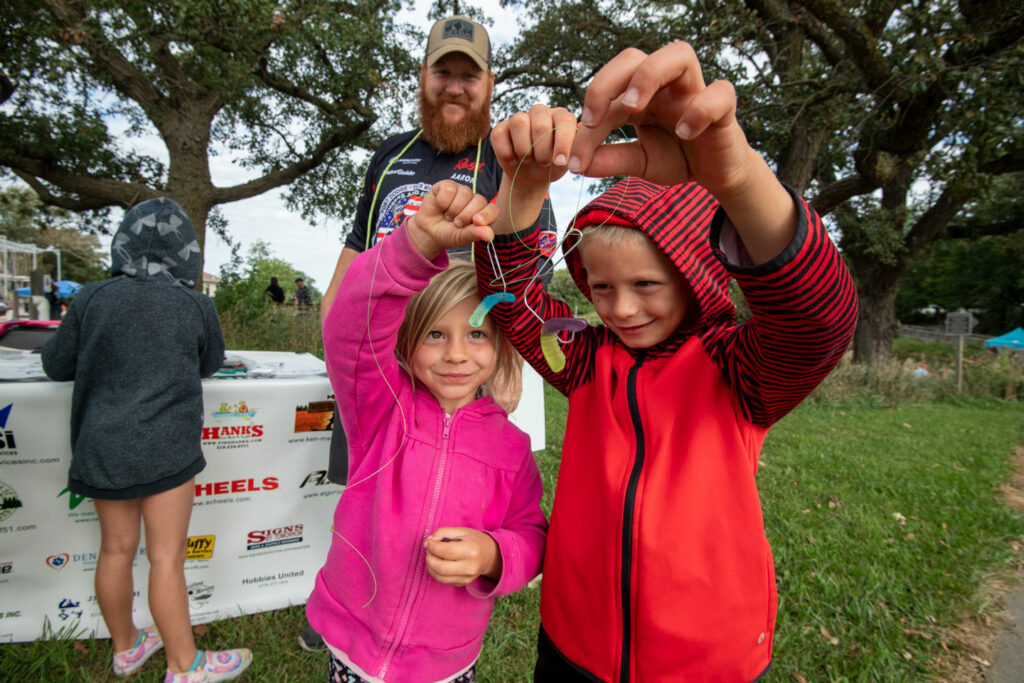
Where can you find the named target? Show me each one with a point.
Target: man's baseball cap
(459, 34)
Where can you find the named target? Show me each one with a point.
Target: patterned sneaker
(131, 660)
(311, 641)
(213, 665)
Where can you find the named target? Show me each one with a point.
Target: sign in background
(261, 520)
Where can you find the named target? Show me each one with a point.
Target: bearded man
(455, 90)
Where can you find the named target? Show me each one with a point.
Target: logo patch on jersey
(404, 200)
(547, 241)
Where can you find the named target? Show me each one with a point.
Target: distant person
(53, 296)
(275, 291)
(303, 295)
(136, 346)
(442, 512)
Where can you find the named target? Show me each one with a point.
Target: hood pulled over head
(156, 239)
(678, 220)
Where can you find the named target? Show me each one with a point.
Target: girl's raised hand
(459, 555)
(686, 130)
(450, 216)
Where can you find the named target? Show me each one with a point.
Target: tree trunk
(186, 134)
(876, 320)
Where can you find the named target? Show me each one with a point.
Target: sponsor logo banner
(270, 538)
(58, 562)
(198, 593)
(242, 430)
(213, 491)
(9, 501)
(267, 580)
(315, 416)
(200, 547)
(69, 609)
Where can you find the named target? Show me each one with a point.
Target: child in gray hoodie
(136, 346)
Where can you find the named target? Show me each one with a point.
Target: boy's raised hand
(533, 150)
(533, 147)
(686, 130)
(451, 216)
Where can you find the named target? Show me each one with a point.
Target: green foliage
(286, 88)
(878, 556)
(986, 375)
(242, 287)
(743, 313)
(272, 328)
(985, 273)
(563, 287)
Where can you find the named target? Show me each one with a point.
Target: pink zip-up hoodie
(413, 469)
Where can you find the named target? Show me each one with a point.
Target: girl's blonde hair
(445, 291)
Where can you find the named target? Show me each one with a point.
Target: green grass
(933, 351)
(884, 522)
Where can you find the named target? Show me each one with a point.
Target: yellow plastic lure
(549, 344)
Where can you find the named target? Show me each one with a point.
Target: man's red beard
(454, 137)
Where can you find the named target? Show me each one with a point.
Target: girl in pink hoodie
(442, 510)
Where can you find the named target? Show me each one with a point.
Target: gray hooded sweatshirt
(136, 346)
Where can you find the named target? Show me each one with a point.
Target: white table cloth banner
(261, 521)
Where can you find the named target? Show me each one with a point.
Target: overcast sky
(314, 250)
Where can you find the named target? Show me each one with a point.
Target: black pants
(553, 667)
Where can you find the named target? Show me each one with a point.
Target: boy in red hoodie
(657, 566)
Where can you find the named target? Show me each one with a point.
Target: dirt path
(989, 647)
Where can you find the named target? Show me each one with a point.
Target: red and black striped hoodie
(657, 567)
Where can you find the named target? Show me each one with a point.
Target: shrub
(259, 326)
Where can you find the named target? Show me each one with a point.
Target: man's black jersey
(397, 181)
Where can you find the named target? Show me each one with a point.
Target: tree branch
(862, 46)
(7, 86)
(832, 195)
(933, 221)
(286, 175)
(127, 78)
(95, 193)
(288, 88)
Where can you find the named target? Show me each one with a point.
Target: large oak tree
(282, 86)
(889, 115)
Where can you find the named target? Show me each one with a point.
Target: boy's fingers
(626, 86)
(620, 159)
(715, 104)
(541, 134)
(674, 66)
(564, 124)
(608, 84)
(520, 133)
(501, 143)
(589, 140)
